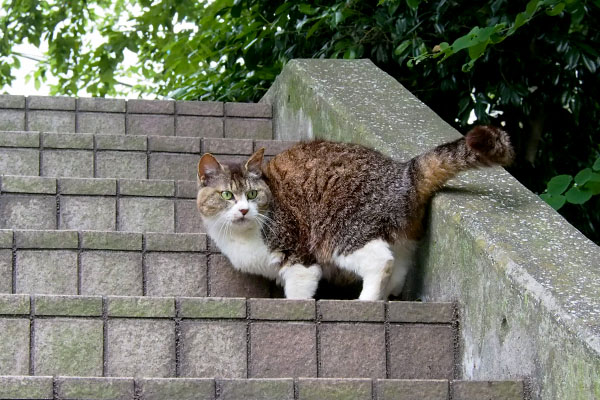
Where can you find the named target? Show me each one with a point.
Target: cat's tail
(483, 146)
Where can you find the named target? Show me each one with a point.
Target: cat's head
(234, 196)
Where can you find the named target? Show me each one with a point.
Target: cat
(331, 210)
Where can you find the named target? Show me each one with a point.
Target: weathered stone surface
(87, 213)
(19, 139)
(175, 274)
(421, 351)
(46, 239)
(494, 390)
(65, 346)
(177, 389)
(407, 311)
(14, 347)
(120, 142)
(26, 387)
(212, 307)
(28, 184)
(213, 349)
(12, 120)
(19, 161)
(227, 282)
(141, 347)
(282, 309)
(111, 240)
(491, 239)
(111, 273)
(138, 124)
(334, 389)
(95, 388)
(46, 271)
(175, 166)
(27, 212)
(214, 108)
(187, 189)
(67, 141)
(50, 103)
(245, 128)
(187, 217)
(5, 271)
(151, 106)
(104, 123)
(173, 242)
(252, 110)
(146, 215)
(174, 144)
(14, 304)
(6, 238)
(227, 146)
(268, 350)
(141, 307)
(144, 187)
(68, 163)
(11, 101)
(70, 306)
(100, 104)
(351, 310)
(401, 389)
(51, 121)
(199, 126)
(121, 164)
(88, 186)
(366, 358)
(256, 389)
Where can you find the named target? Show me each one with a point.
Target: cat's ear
(208, 166)
(254, 163)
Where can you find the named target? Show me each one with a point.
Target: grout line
(318, 336)
(386, 325)
(94, 156)
(295, 388)
(373, 389)
(55, 388)
(248, 341)
(79, 253)
(117, 203)
(14, 264)
(104, 335)
(144, 268)
(209, 257)
(76, 116)
(177, 338)
(31, 334)
(148, 152)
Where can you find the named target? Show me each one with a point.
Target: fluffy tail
(483, 146)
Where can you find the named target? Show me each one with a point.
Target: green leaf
(307, 9)
(476, 51)
(583, 176)
(596, 166)
(402, 47)
(578, 196)
(555, 202)
(414, 4)
(592, 187)
(559, 184)
(555, 10)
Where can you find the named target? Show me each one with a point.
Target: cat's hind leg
(374, 264)
(299, 281)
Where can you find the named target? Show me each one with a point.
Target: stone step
(47, 387)
(136, 117)
(118, 156)
(120, 336)
(135, 205)
(120, 263)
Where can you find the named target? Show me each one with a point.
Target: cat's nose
(244, 211)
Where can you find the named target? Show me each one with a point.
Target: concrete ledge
(527, 282)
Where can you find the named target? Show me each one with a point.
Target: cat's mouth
(241, 221)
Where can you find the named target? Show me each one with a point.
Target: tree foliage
(531, 68)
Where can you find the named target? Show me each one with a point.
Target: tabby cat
(332, 210)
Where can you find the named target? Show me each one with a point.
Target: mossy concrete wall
(528, 283)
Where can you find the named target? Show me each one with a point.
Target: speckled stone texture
(512, 262)
(46, 271)
(334, 389)
(176, 274)
(227, 282)
(177, 389)
(255, 389)
(400, 389)
(278, 350)
(213, 349)
(111, 273)
(14, 346)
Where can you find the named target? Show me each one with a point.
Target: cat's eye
(227, 195)
(251, 194)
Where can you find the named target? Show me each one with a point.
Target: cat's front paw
(276, 258)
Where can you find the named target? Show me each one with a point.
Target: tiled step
(115, 336)
(47, 387)
(136, 117)
(135, 205)
(118, 156)
(120, 263)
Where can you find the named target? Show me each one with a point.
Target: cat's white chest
(248, 253)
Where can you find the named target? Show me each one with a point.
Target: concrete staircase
(109, 289)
